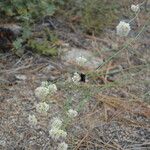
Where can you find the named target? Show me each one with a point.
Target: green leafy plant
(43, 47)
(26, 9)
(27, 13)
(17, 46)
(45, 42)
(94, 15)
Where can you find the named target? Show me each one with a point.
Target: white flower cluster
(62, 146)
(135, 8)
(44, 90)
(56, 132)
(76, 78)
(32, 120)
(72, 113)
(123, 29)
(52, 88)
(41, 92)
(42, 107)
(56, 123)
(44, 84)
(81, 60)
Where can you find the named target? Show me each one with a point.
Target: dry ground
(113, 108)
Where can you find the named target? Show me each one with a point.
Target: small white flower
(62, 146)
(42, 107)
(72, 113)
(76, 77)
(135, 8)
(52, 88)
(81, 60)
(32, 120)
(41, 92)
(56, 133)
(123, 28)
(44, 84)
(56, 123)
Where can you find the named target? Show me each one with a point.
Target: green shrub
(94, 15)
(43, 47)
(27, 12)
(46, 45)
(28, 9)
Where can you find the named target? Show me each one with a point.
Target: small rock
(71, 56)
(21, 77)
(16, 29)
(48, 68)
(114, 46)
(2, 143)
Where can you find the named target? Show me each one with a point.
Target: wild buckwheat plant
(56, 123)
(56, 133)
(44, 90)
(41, 92)
(72, 113)
(62, 146)
(32, 120)
(135, 8)
(52, 88)
(76, 78)
(81, 60)
(123, 29)
(42, 107)
(44, 84)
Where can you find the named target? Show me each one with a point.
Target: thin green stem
(124, 47)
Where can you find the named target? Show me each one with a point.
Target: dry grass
(114, 113)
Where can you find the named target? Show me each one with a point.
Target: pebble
(3, 143)
(21, 77)
(71, 56)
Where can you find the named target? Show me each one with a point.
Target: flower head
(56, 123)
(81, 60)
(123, 28)
(45, 89)
(44, 84)
(76, 77)
(62, 146)
(56, 133)
(42, 107)
(41, 92)
(52, 88)
(135, 8)
(32, 120)
(72, 113)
